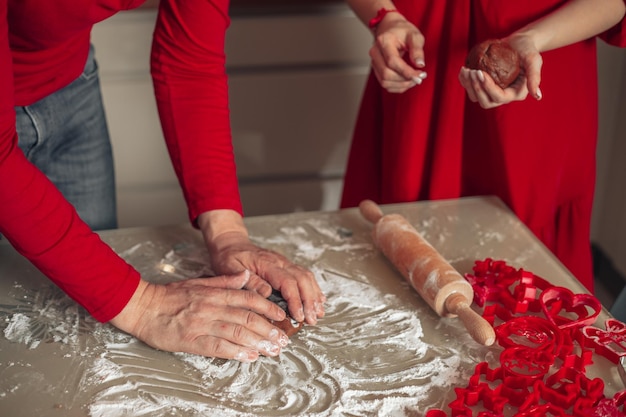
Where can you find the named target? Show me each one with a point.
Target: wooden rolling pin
(438, 283)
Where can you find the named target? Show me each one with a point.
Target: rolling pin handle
(370, 211)
(479, 328)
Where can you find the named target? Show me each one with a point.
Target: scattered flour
(366, 357)
(19, 330)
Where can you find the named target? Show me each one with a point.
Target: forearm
(135, 309)
(191, 91)
(575, 21)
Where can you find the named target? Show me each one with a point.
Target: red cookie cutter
(479, 391)
(568, 310)
(542, 367)
(610, 343)
(530, 332)
(610, 407)
(570, 388)
(517, 290)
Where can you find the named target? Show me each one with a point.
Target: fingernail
(539, 95)
(319, 308)
(481, 77)
(423, 75)
(417, 80)
(246, 273)
(283, 340)
(269, 347)
(311, 313)
(280, 337)
(246, 356)
(420, 63)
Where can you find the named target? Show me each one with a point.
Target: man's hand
(232, 251)
(206, 316)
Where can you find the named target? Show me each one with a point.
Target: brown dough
(289, 325)
(497, 59)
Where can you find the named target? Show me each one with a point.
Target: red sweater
(43, 47)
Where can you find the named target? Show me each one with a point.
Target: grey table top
(380, 350)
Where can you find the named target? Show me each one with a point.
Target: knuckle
(237, 332)
(249, 297)
(309, 275)
(249, 319)
(387, 85)
(218, 347)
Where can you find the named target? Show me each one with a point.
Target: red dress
(432, 143)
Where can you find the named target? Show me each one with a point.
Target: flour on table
(390, 370)
(18, 330)
(305, 248)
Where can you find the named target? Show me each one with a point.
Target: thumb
(533, 75)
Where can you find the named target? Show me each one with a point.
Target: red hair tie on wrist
(380, 15)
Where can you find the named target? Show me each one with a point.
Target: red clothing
(43, 47)
(431, 142)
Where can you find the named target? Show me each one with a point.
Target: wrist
(529, 37)
(128, 319)
(218, 223)
(380, 16)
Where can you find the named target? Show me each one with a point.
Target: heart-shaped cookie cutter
(568, 310)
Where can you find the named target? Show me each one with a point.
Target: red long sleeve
(42, 50)
(188, 69)
(44, 227)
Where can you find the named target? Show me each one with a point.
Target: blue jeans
(66, 136)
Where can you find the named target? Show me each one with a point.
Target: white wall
(293, 103)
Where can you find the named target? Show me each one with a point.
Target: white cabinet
(295, 83)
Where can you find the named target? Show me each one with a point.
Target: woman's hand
(206, 316)
(397, 54)
(482, 89)
(232, 251)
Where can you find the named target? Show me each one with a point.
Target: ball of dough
(497, 59)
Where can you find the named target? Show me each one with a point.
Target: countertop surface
(379, 351)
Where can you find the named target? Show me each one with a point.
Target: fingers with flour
(206, 316)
